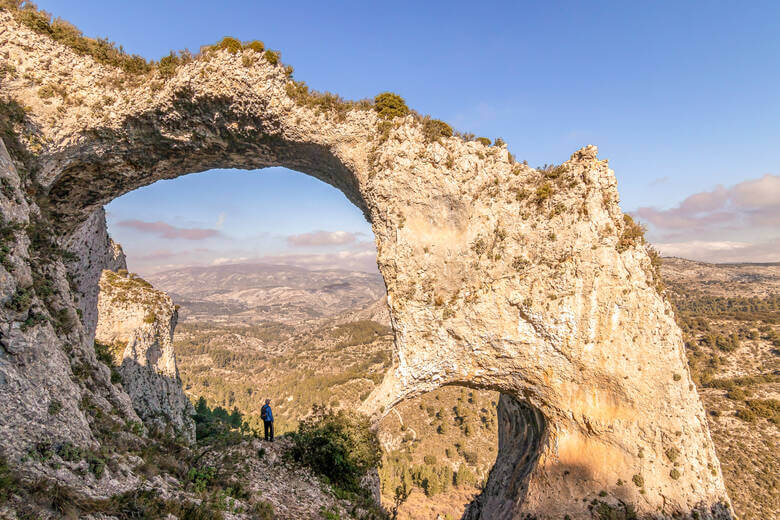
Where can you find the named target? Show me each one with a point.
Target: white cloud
(740, 223)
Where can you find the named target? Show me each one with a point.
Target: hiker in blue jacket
(268, 420)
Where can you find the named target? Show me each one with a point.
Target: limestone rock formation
(137, 323)
(499, 276)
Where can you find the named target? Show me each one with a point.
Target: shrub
(543, 192)
(21, 300)
(201, 478)
(272, 57)
(471, 457)
(389, 105)
(339, 445)
(229, 44)
(103, 353)
(263, 511)
(638, 480)
(150, 318)
(737, 394)
(433, 129)
(633, 234)
(464, 477)
(672, 453)
(54, 407)
(483, 140)
(8, 481)
(168, 64)
(552, 171)
(97, 466)
(100, 49)
(766, 408)
(675, 474)
(256, 46)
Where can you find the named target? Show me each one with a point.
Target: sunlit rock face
(137, 323)
(498, 275)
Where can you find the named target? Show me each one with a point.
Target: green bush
(747, 415)
(766, 408)
(672, 453)
(464, 477)
(101, 49)
(339, 445)
(168, 64)
(389, 105)
(272, 57)
(9, 483)
(229, 44)
(21, 300)
(255, 45)
(263, 511)
(433, 129)
(633, 234)
(201, 478)
(483, 140)
(54, 407)
(543, 192)
(737, 394)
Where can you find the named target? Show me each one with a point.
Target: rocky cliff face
(500, 276)
(137, 322)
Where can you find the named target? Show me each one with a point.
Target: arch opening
(237, 343)
(493, 269)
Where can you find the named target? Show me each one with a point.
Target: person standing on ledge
(268, 420)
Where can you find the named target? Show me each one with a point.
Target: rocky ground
(228, 476)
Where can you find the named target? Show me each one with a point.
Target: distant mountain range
(261, 292)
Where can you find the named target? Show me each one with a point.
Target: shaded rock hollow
(498, 275)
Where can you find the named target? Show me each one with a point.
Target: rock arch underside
(498, 275)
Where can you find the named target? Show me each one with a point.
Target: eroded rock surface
(137, 323)
(499, 276)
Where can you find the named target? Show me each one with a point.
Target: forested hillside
(443, 444)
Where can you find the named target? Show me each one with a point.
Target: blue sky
(681, 97)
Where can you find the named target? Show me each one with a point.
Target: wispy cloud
(725, 224)
(753, 202)
(165, 230)
(323, 238)
(659, 180)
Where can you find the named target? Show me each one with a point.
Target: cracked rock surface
(137, 322)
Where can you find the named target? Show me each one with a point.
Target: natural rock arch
(498, 275)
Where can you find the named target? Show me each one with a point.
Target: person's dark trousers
(269, 430)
